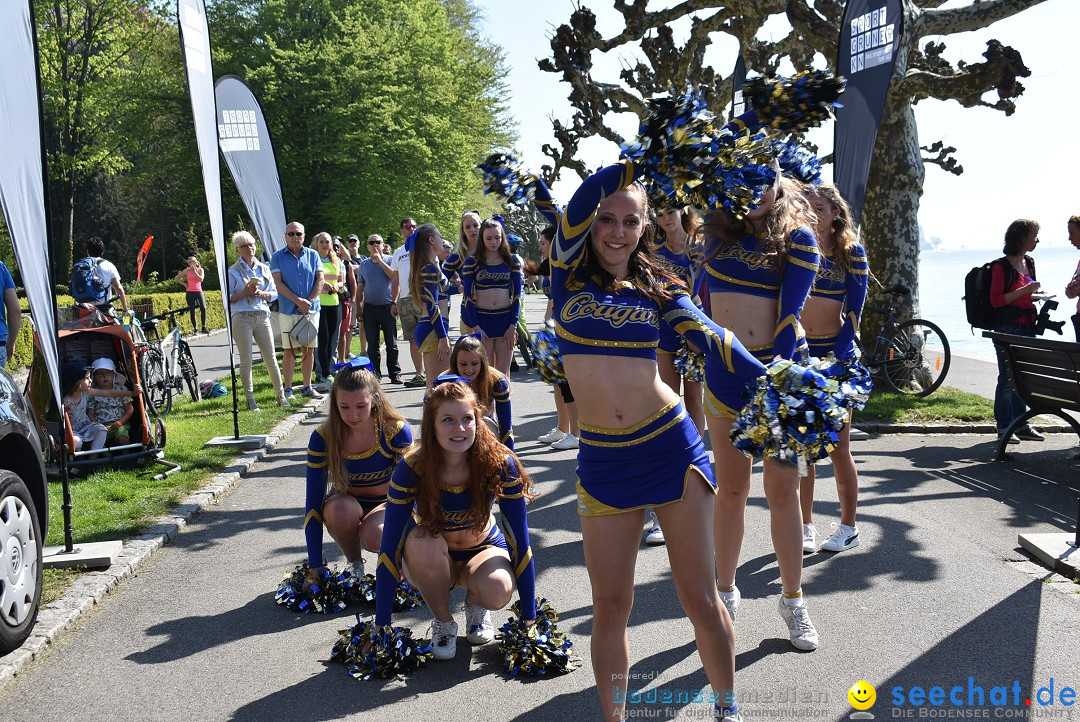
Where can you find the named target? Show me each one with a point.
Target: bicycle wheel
(917, 359)
(152, 375)
(187, 369)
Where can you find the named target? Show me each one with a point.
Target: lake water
(941, 291)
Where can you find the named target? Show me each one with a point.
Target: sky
(1022, 166)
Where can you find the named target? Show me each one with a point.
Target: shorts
(346, 317)
(725, 392)
(650, 464)
(409, 315)
(287, 320)
(495, 322)
(123, 430)
(424, 336)
(494, 540)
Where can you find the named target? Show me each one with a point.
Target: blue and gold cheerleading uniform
(368, 470)
(452, 265)
(500, 396)
(742, 268)
(683, 265)
(494, 322)
(847, 288)
(431, 327)
(400, 520)
(651, 463)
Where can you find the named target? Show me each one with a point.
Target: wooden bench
(1046, 375)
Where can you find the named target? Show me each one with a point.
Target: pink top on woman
(194, 283)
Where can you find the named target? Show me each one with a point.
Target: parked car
(24, 516)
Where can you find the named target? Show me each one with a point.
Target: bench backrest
(1045, 373)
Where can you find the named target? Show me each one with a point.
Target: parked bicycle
(911, 357)
(166, 364)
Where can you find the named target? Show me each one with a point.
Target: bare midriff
(615, 392)
(822, 316)
(493, 297)
(751, 318)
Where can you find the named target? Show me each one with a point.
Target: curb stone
(872, 428)
(91, 588)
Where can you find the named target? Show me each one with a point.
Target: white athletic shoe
(800, 628)
(356, 566)
(809, 538)
(554, 435)
(731, 601)
(655, 537)
(567, 442)
(843, 537)
(443, 639)
(478, 624)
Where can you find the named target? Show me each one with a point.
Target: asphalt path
(938, 592)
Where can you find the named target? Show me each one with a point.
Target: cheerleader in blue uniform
(439, 530)
(760, 271)
(468, 235)
(493, 281)
(351, 458)
(469, 361)
(831, 319)
(427, 283)
(638, 446)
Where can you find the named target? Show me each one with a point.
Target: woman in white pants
(251, 289)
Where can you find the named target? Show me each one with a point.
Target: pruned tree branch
(979, 14)
(943, 157)
(968, 83)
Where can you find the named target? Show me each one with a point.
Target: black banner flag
(246, 146)
(869, 39)
(738, 79)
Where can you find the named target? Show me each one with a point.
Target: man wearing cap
(373, 292)
(403, 306)
(298, 276)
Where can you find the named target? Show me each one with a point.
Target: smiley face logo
(862, 695)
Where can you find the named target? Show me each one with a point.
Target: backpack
(980, 312)
(87, 285)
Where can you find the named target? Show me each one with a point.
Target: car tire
(20, 564)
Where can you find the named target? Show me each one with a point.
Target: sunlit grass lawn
(944, 406)
(120, 504)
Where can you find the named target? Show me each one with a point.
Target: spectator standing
(251, 290)
(405, 308)
(106, 271)
(356, 257)
(346, 324)
(298, 276)
(329, 303)
(10, 315)
(1073, 289)
(373, 293)
(192, 278)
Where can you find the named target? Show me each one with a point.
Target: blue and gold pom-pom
(535, 649)
(331, 594)
(805, 100)
(690, 364)
(369, 651)
(546, 355)
(405, 596)
(854, 379)
(795, 415)
(687, 157)
(796, 161)
(506, 176)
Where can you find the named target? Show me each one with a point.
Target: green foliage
(944, 406)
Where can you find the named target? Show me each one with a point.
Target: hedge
(143, 304)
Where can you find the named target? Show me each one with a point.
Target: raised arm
(795, 283)
(546, 204)
(396, 525)
(855, 297)
(516, 526)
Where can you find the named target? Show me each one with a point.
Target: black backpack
(87, 286)
(980, 313)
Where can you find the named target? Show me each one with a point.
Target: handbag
(304, 332)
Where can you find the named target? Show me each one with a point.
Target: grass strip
(944, 406)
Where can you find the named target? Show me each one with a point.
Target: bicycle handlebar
(168, 314)
(897, 290)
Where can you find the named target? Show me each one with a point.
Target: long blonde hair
(841, 230)
(315, 244)
(335, 431)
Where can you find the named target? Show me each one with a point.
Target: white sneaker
(800, 628)
(443, 639)
(655, 537)
(843, 537)
(809, 538)
(731, 601)
(569, 441)
(356, 566)
(554, 435)
(478, 624)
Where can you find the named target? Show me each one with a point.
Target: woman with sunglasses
(329, 302)
(493, 283)
(639, 448)
(469, 361)
(426, 286)
(351, 459)
(439, 531)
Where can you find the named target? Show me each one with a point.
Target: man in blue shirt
(298, 275)
(373, 291)
(12, 319)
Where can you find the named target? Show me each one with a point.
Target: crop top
(367, 470)
(848, 288)
(622, 321)
(682, 264)
(478, 277)
(400, 520)
(742, 268)
(432, 280)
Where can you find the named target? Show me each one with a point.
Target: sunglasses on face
(295, 234)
